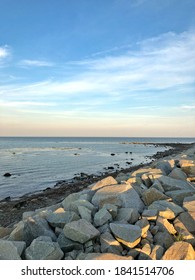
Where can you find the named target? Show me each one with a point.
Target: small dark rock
(7, 174)
(110, 167)
(112, 154)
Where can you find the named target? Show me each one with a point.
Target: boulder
(166, 166)
(42, 248)
(150, 214)
(8, 251)
(102, 183)
(60, 219)
(182, 232)
(177, 173)
(157, 252)
(179, 195)
(164, 239)
(189, 205)
(109, 244)
(112, 209)
(35, 227)
(68, 245)
(163, 224)
(179, 251)
(167, 209)
(129, 215)
(187, 166)
(80, 231)
(129, 235)
(102, 217)
(145, 252)
(18, 232)
(151, 195)
(144, 225)
(85, 213)
(171, 184)
(122, 195)
(187, 221)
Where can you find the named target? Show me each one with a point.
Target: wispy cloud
(35, 63)
(4, 54)
(157, 74)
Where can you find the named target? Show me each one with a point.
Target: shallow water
(38, 162)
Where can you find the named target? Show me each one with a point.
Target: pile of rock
(148, 214)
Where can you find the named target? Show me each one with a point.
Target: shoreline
(11, 210)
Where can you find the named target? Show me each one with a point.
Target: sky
(97, 68)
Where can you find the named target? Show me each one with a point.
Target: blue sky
(97, 68)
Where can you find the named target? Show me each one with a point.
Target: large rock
(179, 195)
(152, 194)
(122, 195)
(102, 217)
(157, 252)
(164, 239)
(18, 232)
(187, 166)
(42, 248)
(60, 219)
(109, 244)
(164, 224)
(80, 231)
(35, 227)
(171, 184)
(166, 166)
(104, 182)
(129, 215)
(177, 173)
(183, 233)
(189, 205)
(129, 235)
(180, 251)
(167, 209)
(68, 245)
(187, 221)
(8, 251)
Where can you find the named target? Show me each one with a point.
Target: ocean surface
(36, 163)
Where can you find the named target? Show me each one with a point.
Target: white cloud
(35, 63)
(4, 54)
(163, 65)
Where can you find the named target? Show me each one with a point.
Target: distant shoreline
(11, 210)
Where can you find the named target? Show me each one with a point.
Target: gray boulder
(68, 245)
(129, 235)
(167, 209)
(102, 217)
(80, 231)
(109, 244)
(102, 183)
(8, 251)
(60, 219)
(43, 249)
(35, 227)
(122, 195)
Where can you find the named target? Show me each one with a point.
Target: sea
(37, 163)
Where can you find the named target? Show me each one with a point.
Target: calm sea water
(38, 162)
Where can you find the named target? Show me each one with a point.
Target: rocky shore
(143, 213)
